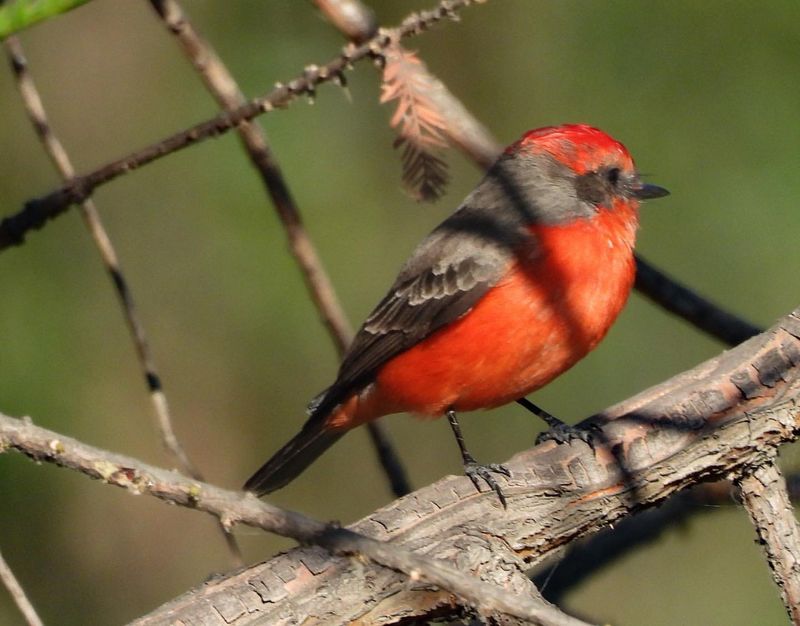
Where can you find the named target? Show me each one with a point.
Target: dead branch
(766, 498)
(39, 211)
(232, 507)
(725, 416)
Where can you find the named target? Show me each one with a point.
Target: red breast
(546, 314)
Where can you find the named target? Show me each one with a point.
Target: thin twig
(236, 507)
(18, 594)
(38, 211)
(764, 495)
(221, 84)
(91, 217)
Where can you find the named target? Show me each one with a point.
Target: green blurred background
(706, 97)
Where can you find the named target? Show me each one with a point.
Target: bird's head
(564, 172)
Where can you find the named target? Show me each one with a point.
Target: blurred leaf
(19, 14)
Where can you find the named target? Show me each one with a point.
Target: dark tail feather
(290, 461)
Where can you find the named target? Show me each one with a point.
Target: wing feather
(443, 280)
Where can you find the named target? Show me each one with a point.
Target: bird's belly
(521, 335)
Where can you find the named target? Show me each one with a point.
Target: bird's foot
(476, 472)
(564, 433)
(559, 431)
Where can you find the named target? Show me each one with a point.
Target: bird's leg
(472, 468)
(559, 431)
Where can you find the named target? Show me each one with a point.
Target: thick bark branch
(725, 416)
(233, 507)
(766, 498)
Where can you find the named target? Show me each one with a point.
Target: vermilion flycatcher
(521, 282)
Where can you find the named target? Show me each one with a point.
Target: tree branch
(39, 211)
(232, 507)
(765, 496)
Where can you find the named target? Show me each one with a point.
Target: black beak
(646, 191)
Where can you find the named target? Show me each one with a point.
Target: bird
(512, 289)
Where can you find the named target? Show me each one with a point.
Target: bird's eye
(612, 176)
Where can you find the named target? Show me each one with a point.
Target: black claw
(472, 469)
(563, 433)
(477, 472)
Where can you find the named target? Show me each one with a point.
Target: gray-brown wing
(413, 310)
(442, 281)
